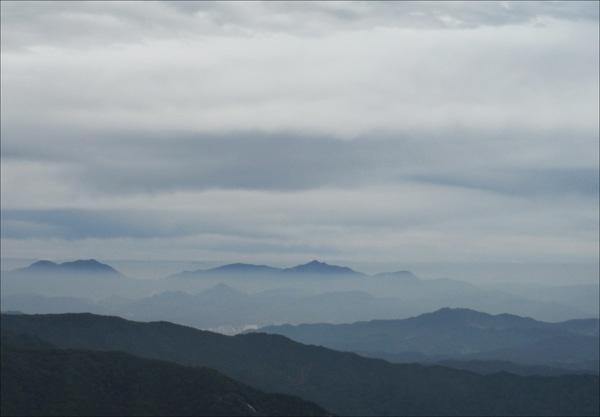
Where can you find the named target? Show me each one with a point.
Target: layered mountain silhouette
(390, 295)
(459, 334)
(342, 382)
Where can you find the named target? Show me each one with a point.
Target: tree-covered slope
(84, 382)
(341, 382)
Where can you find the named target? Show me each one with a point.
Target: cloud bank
(378, 131)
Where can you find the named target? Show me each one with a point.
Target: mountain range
(310, 293)
(459, 334)
(38, 379)
(311, 268)
(341, 382)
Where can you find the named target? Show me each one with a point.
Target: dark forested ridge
(83, 382)
(341, 382)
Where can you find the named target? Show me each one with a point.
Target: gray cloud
(125, 164)
(525, 181)
(364, 130)
(81, 24)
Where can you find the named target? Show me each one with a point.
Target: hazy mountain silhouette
(90, 266)
(81, 278)
(405, 276)
(320, 268)
(459, 334)
(311, 268)
(232, 269)
(391, 295)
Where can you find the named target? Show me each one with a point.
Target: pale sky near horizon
(281, 132)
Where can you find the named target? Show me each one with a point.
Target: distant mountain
(82, 382)
(459, 334)
(90, 266)
(391, 295)
(405, 276)
(316, 267)
(311, 268)
(222, 305)
(230, 269)
(82, 278)
(245, 268)
(341, 382)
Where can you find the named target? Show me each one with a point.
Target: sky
(370, 134)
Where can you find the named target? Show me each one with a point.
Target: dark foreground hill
(83, 382)
(341, 382)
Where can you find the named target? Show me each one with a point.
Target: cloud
(438, 130)
(525, 182)
(346, 84)
(123, 164)
(411, 222)
(85, 24)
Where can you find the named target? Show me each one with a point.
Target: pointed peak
(43, 264)
(316, 267)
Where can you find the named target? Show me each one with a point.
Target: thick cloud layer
(373, 131)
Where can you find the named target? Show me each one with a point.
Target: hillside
(459, 334)
(82, 382)
(343, 383)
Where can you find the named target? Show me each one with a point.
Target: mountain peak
(43, 264)
(316, 267)
(87, 266)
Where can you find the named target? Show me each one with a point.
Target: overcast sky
(281, 132)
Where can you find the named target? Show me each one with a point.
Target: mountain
(357, 296)
(413, 295)
(90, 266)
(245, 268)
(341, 382)
(459, 334)
(222, 305)
(321, 268)
(37, 304)
(402, 276)
(585, 296)
(311, 268)
(82, 279)
(82, 382)
(230, 269)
